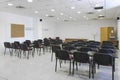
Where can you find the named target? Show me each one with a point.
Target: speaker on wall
(40, 19)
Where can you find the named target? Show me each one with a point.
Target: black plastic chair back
(24, 47)
(84, 49)
(55, 48)
(62, 54)
(103, 59)
(7, 45)
(81, 57)
(106, 51)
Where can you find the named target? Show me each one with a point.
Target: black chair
(93, 47)
(24, 47)
(106, 51)
(85, 49)
(54, 49)
(16, 47)
(28, 42)
(8, 45)
(82, 58)
(46, 44)
(38, 47)
(62, 55)
(104, 60)
(69, 48)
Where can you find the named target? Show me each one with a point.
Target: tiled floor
(41, 68)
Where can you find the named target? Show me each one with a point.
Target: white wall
(37, 26)
(44, 28)
(82, 29)
(6, 19)
(118, 30)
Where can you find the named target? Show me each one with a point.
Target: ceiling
(64, 10)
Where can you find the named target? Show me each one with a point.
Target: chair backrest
(81, 57)
(62, 54)
(84, 49)
(103, 59)
(16, 45)
(69, 48)
(40, 41)
(7, 45)
(28, 42)
(108, 47)
(24, 47)
(106, 51)
(55, 48)
(36, 44)
(46, 42)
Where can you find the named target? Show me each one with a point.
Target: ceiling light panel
(30, 0)
(10, 4)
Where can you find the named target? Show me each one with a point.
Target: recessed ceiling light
(70, 17)
(100, 15)
(52, 10)
(47, 15)
(30, 0)
(72, 7)
(78, 12)
(10, 4)
(36, 12)
(61, 13)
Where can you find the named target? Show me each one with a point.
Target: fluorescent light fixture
(72, 7)
(47, 15)
(61, 13)
(30, 0)
(10, 4)
(78, 12)
(36, 12)
(52, 10)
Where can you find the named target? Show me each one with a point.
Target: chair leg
(39, 51)
(73, 69)
(93, 70)
(114, 64)
(20, 54)
(89, 70)
(60, 61)
(70, 68)
(76, 66)
(28, 55)
(113, 72)
(98, 66)
(33, 52)
(51, 56)
(56, 65)
(43, 50)
(10, 52)
(5, 51)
